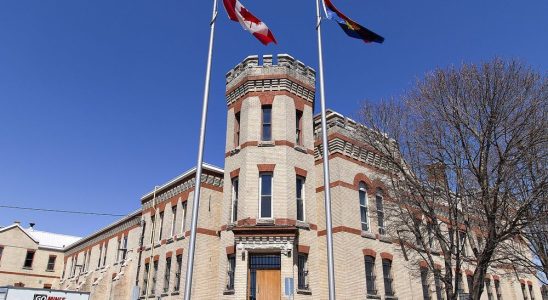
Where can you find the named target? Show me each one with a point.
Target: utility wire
(62, 211)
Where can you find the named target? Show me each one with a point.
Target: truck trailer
(22, 293)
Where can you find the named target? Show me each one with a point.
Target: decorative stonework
(288, 75)
(257, 243)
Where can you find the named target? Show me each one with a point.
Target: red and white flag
(238, 13)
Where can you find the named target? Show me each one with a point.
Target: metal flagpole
(325, 153)
(196, 198)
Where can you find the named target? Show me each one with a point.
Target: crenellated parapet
(285, 74)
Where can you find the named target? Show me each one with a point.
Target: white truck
(22, 293)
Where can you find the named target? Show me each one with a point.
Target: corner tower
(269, 208)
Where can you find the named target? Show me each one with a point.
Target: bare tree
(467, 148)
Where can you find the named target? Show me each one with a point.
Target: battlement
(286, 73)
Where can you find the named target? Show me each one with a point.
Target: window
(300, 198)
(363, 206)
(230, 271)
(100, 255)
(430, 232)
(265, 192)
(145, 279)
(152, 221)
(119, 248)
(498, 290)
(387, 273)
(380, 211)
(1, 251)
(267, 123)
(235, 195)
(72, 266)
(370, 275)
(142, 238)
(298, 127)
(179, 266)
(470, 282)
(236, 129)
(183, 218)
(437, 283)
(124, 248)
(29, 259)
(489, 290)
(167, 274)
(160, 234)
(153, 280)
(524, 292)
(531, 292)
(105, 255)
(425, 286)
(302, 266)
(51, 263)
(462, 236)
(459, 284)
(173, 220)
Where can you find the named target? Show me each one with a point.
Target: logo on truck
(45, 297)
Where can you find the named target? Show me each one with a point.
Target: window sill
(27, 268)
(266, 144)
(50, 270)
(235, 151)
(157, 245)
(228, 292)
(304, 291)
(390, 297)
(165, 294)
(181, 237)
(300, 148)
(302, 225)
(369, 235)
(385, 238)
(175, 293)
(265, 221)
(371, 296)
(170, 240)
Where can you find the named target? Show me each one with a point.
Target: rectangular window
(29, 259)
(302, 266)
(143, 231)
(488, 288)
(230, 272)
(470, 282)
(183, 217)
(265, 192)
(153, 280)
(462, 236)
(167, 274)
(100, 255)
(437, 282)
(173, 220)
(524, 292)
(531, 292)
(160, 234)
(236, 129)
(1, 251)
(300, 198)
(380, 212)
(370, 275)
(178, 272)
(425, 286)
(298, 127)
(119, 249)
(498, 290)
(267, 123)
(153, 222)
(430, 232)
(387, 273)
(362, 194)
(145, 279)
(235, 196)
(124, 248)
(105, 255)
(84, 266)
(51, 263)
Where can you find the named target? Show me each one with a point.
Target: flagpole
(197, 185)
(325, 153)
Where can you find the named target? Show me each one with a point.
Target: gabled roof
(45, 239)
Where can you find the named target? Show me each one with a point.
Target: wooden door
(269, 286)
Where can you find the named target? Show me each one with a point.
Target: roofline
(98, 232)
(207, 166)
(22, 229)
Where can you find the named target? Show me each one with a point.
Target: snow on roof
(45, 239)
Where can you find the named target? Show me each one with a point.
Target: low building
(261, 227)
(31, 258)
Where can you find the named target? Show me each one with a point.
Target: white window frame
(184, 207)
(271, 195)
(234, 199)
(173, 220)
(303, 196)
(367, 219)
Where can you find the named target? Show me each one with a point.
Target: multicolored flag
(238, 13)
(350, 27)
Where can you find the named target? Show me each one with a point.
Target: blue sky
(100, 100)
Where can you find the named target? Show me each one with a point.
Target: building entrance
(264, 277)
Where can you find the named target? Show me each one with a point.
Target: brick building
(261, 218)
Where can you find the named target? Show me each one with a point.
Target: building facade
(261, 228)
(31, 258)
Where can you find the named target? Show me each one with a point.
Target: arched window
(363, 206)
(380, 211)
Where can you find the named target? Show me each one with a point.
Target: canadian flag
(238, 13)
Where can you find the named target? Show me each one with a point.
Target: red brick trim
(369, 252)
(28, 274)
(156, 257)
(147, 260)
(260, 77)
(353, 160)
(113, 275)
(387, 256)
(529, 282)
(300, 172)
(303, 249)
(266, 167)
(341, 229)
(284, 143)
(335, 184)
(179, 251)
(313, 226)
(235, 173)
(276, 142)
(496, 277)
(423, 264)
(437, 266)
(204, 231)
(468, 272)
(230, 250)
(522, 281)
(283, 221)
(169, 254)
(247, 222)
(266, 98)
(368, 183)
